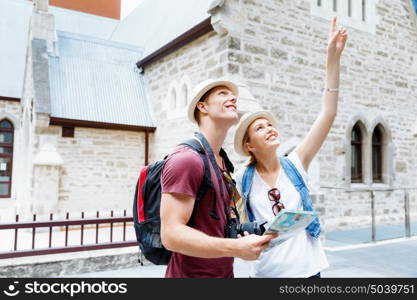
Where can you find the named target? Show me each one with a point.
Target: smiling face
(219, 104)
(261, 136)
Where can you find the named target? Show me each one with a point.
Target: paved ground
(364, 235)
(350, 253)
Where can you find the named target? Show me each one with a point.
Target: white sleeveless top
(299, 256)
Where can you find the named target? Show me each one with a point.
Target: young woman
(272, 185)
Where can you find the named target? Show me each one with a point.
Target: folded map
(288, 223)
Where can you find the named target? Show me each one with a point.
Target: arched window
(377, 159)
(349, 8)
(363, 10)
(356, 154)
(184, 95)
(6, 158)
(173, 99)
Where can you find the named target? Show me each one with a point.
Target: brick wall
(100, 169)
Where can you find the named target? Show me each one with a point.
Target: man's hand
(251, 245)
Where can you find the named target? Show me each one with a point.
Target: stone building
(78, 131)
(275, 49)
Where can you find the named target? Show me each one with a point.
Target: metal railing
(372, 191)
(79, 223)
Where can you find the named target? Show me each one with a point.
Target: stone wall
(11, 108)
(99, 171)
(32, 111)
(203, 58)
(278, 48)
(284, 64)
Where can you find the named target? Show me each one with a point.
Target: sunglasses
(227, 177)
(274, 195)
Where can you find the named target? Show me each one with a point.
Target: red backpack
(147, 202)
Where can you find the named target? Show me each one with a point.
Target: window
(363, 10)
(68, 131)
(173, 99)
(349, 8)
(377, 159)
(356, 154)
(184, 96)
(178, 93)
(6, 158)
(358, 14)
(369, 153)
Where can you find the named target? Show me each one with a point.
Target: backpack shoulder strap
(194, 144)
(206, 182)
(200, 144)
(227, 163)
(246, 187)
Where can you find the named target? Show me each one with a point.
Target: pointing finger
(333, 24)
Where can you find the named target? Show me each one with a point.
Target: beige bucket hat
(202, 88)
(243, 125)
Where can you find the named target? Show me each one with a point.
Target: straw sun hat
(202, 88)
(243, 125)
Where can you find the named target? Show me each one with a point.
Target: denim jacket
(297, 180)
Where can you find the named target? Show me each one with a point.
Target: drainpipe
(146, 147)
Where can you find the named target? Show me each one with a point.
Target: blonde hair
(252, 159)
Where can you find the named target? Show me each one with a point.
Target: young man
(193, 231)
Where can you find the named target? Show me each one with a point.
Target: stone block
(234, 43)
(232, 68)
(253, 49)
(253, 73)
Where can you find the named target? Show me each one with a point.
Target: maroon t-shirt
(183, 173)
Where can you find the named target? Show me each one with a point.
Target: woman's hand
(315, 138)
(337, 40)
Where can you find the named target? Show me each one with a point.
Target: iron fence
(372, 191)
(79, 224)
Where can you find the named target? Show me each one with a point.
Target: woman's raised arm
(311, 144)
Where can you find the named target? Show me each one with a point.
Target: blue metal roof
(97, 80)
(151, 25)
(14, 30)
